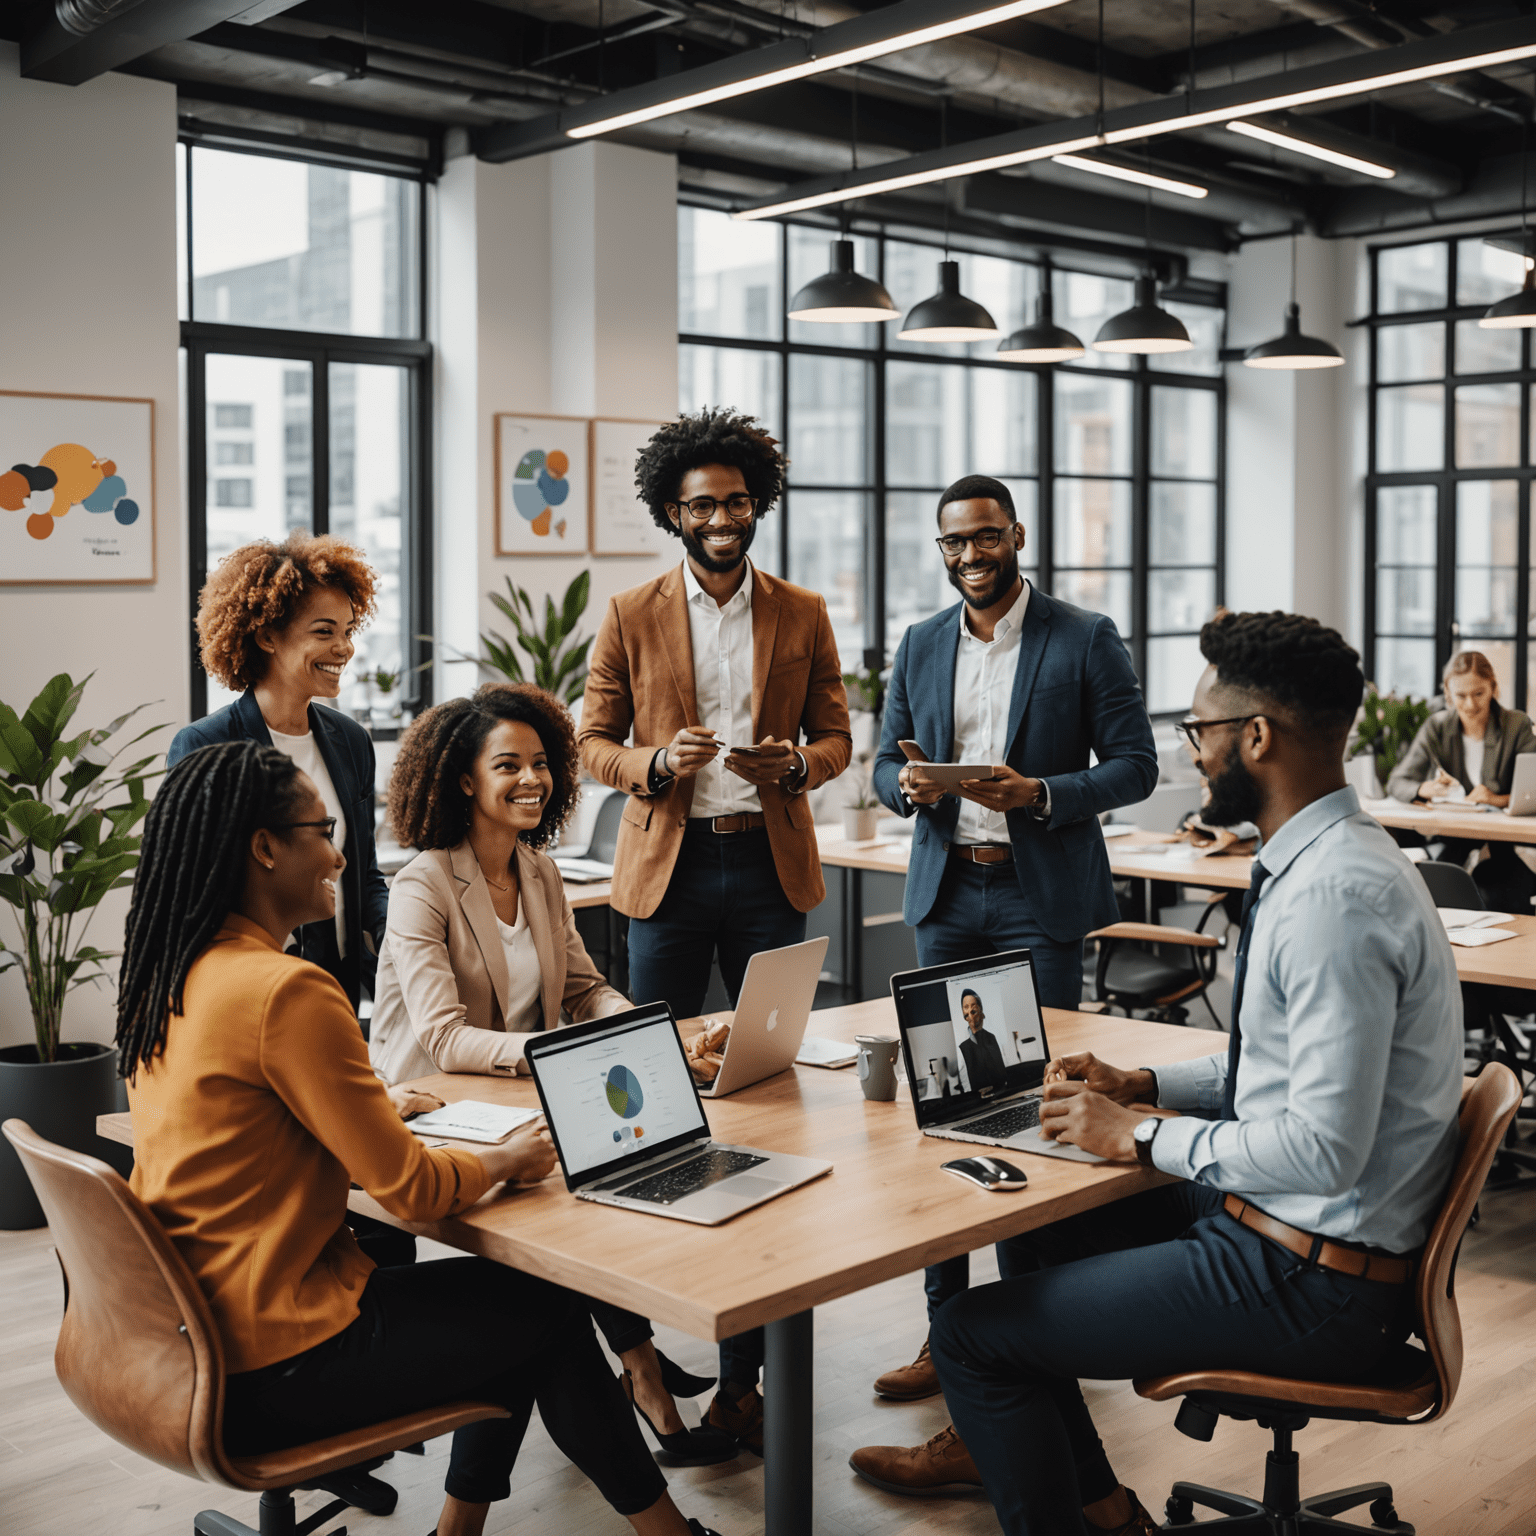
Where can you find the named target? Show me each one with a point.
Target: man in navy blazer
(1032, 685)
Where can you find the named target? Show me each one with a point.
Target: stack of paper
(473, 1120)
(1470, 928)
(819, 1051)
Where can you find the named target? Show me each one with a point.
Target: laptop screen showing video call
(623, 1093)
(970, 1033)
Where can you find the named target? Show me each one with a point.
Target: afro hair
(1306, 669)
(717, 435)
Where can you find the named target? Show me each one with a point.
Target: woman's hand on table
(411, 1101)
(1438, 787)
(1482, 795)
(525, 1157)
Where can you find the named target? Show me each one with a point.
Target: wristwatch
(1146, 1129)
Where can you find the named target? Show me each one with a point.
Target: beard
(712, 562)
(1234, 793)
(1007, 570)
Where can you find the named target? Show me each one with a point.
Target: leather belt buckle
(742, 821)
(980, 853)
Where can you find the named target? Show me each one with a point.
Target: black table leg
(853, 930)
(788, 1394)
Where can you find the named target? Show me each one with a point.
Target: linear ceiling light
(909, 24)
(1125, 173)
(1316, 151)
(1446, 53)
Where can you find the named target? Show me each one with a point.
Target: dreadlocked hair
(191, 872)
(1306, 669)
(427, 805)
(717, 435)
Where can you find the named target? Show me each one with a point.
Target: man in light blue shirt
(1314, 1151)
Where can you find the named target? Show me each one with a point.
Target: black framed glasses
(1190, 727)
(327, 827)
(983, 538)
(738, 508)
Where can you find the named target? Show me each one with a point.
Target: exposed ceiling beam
(68, 55)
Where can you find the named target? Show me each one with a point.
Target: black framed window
(307, 382)
(1448, 488)
(1115, 463)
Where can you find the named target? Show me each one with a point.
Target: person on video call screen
(979, 1048)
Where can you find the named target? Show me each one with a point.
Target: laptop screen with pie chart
(616, 1091)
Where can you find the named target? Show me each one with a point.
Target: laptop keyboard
(1006, 1122)
(671, 1184)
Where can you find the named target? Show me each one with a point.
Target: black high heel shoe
(681, 1383)
(701, 1447)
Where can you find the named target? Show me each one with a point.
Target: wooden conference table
(885, 1210)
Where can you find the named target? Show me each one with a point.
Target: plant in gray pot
(68, 810)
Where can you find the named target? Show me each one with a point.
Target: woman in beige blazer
(480, 947)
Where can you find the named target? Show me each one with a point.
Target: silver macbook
(629, 1126)
(1522, 790)
(771, 1014)
(973, 1039)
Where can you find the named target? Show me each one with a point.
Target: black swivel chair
(1158, 968)
(604, 841)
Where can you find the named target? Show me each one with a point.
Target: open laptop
(1522, 790)
(771, 1014)
(973, 1039)
(629, 1127)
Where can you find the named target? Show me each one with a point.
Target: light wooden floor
(1474, 1474)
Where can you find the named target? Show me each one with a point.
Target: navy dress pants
(724, 898)
(979, 911)
(1158, 1283)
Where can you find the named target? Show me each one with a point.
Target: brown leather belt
(1319, 1250)
(981, 853)
(744, 821)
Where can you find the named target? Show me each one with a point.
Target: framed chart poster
(77, 489)
(621, 522)
(543, 484)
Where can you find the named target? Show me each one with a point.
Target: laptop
(629, 1127)
(973, 1040)
(771, 1014)
(1522, 791)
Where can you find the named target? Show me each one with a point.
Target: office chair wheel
(1384, 1517)
(1180, 1511)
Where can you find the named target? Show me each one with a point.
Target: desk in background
(1476, 826)
(885, 1210)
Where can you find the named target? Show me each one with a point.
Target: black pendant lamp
(1145, 327)
(1291, 350)
(1518, 311)
(1044, 341)
(843, 296)
(948, 315)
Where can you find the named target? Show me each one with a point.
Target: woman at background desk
(481, 948)
(254, 1107)
(1466, 752)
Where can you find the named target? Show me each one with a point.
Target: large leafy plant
(557, 657)
(68, 810)
(1386, 728)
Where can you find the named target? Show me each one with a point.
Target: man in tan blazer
(717, 849)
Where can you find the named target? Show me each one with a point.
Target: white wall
(88, 306)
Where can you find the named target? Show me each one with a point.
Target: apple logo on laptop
(773, 1019)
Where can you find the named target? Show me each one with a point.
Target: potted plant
(1385, 730)
(68, 811)
(862, 814)
(557, 656)
(865, 687)
(386, 713)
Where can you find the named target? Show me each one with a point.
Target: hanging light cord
(1189, 84)
(1099, 125)
(944, 144)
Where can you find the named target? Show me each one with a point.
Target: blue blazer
(1074, 690)
(347, 751)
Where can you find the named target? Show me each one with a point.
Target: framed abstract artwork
(621, 522)
(77, 489)
(543, 484)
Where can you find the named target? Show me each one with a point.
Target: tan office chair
(140, 1357)
(1418, 1387)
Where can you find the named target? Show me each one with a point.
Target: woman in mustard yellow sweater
(254, 1108)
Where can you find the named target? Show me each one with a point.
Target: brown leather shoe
(910, 1382)
(744, 1420)
(1141, 1522)
(942, 1466)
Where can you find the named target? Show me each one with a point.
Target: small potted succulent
(386, 712)
(861, 815)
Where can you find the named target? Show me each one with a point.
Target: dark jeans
(457, 1328)
(725, 897)
(979, 911)
(1158, 1283)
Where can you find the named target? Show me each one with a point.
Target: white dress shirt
(984, 674)
(722, 687)
(305, 753)
(1473, 752)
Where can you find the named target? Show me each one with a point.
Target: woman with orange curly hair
(276, 623)
(481, 947)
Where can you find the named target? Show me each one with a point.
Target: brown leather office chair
(140, 1357)
(1416, 1388)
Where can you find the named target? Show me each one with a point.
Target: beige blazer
(441, 1004)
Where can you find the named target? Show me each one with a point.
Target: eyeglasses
(1189, 728)
(983, 538)
(738, 508)
(327, 827)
